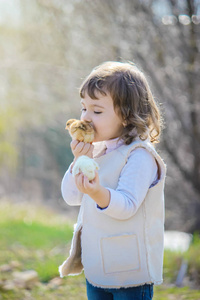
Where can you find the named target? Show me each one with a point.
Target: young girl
(118, 239)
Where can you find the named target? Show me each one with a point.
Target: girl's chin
(96, 139)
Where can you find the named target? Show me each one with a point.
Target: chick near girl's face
(107, 124)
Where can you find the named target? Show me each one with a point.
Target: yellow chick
(82, 131)
(86, 165)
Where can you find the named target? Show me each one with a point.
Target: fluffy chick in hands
(84, 168)
(85, 165)
(79, 130)
(82, 131)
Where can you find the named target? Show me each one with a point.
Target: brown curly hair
(132, 98)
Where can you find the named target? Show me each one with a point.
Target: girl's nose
(86, 117)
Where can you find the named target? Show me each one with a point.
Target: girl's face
(107, 124)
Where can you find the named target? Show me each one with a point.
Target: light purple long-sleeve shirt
(138, 175)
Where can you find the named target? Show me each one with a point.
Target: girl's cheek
(95, 130)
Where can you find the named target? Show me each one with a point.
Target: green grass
(34, 236)
(39, 239)
(172, 264)
(173, 293)
(37, 246)
(71, 289)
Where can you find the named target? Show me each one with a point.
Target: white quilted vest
(120, 253)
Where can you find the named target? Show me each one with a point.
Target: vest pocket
(120, 253)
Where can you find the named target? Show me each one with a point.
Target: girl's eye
(95, 112)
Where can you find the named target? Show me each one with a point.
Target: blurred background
(47, 47)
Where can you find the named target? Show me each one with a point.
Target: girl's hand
(81, 148)
(85, 186)
(93, 188)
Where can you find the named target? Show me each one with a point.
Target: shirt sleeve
(137, 176)
(70, 192)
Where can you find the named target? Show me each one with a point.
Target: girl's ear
(124, 123)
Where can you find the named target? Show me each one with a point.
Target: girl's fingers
(86, 148)
(79, 180)
(86, 182)
(82, 181)
(86, 186)
(96, 178)
(90, 151)
(73, 144)
(79, 147)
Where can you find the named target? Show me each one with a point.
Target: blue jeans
(142, 292)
